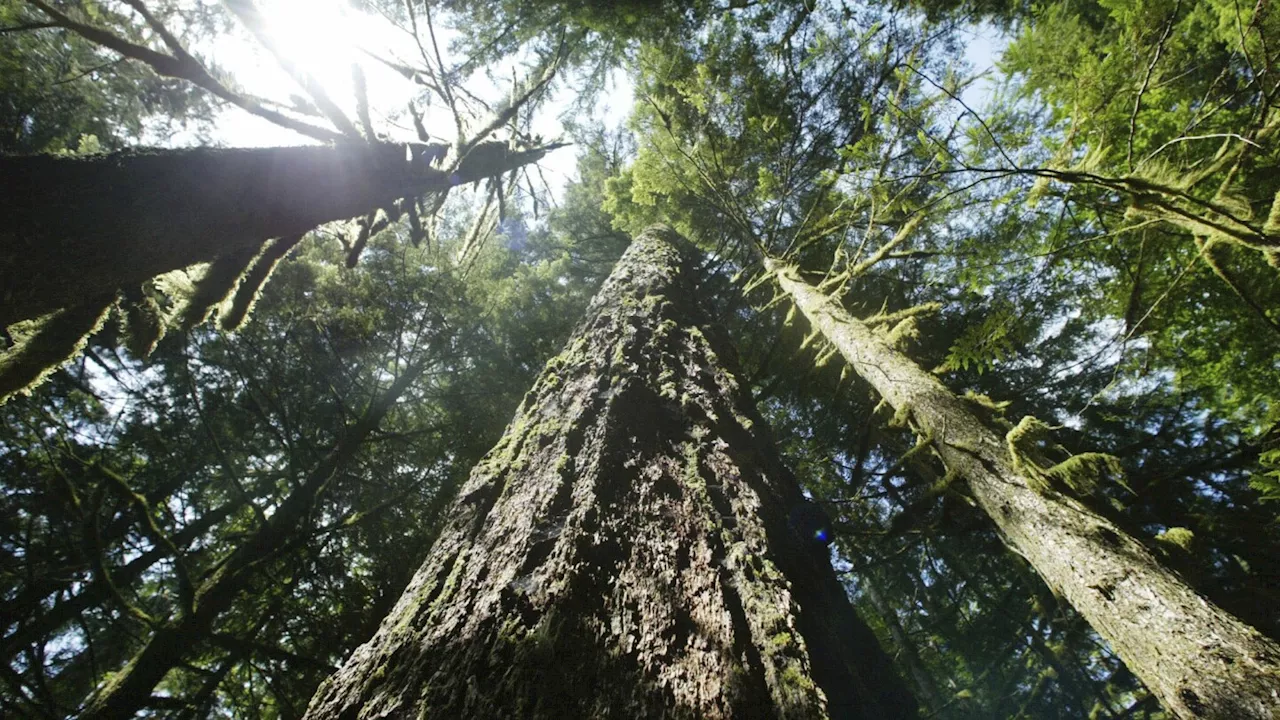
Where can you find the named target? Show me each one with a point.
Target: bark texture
(1199, 660)
(81, 227)
(631, 548)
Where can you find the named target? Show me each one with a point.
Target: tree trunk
(129, 690)
(1199, 660)
(76, 228)
(632, 547)
(919, 675)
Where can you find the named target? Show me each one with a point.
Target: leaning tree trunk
(1199, 660)
(77, 228)
(631, 548)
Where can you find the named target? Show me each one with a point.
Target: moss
(808, 340)
(1177, 537)
(1020, 440)
(1272, 225)
(985, 402)
(43, 345)
(793, 677)
(251, 284)
(901, 416)
(883, 318)
(450, 586)
(1081, 472)
(143, 319)
(1078, 473)
(692, 473)
(218, 281)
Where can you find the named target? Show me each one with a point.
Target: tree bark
(81, 227)
(632, 547)
(1199, 660)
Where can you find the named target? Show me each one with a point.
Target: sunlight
(321, 36)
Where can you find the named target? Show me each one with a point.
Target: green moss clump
(1177, 537)
(45, 344)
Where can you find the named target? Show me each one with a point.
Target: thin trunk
(631, 548)
(130, 689)
(1199, 660)
(906, 647)
(39, 623)
(82, 227)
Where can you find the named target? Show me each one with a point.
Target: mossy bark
(86, 226)
(632, 547)
(1199, 660)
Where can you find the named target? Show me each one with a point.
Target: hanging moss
(218, 281)
(1078, 474)
(905, 330)
(251, 284)
(1272, 225)
(884, 318)
(143, 319)
(362, 239)
(1081, 472)
(44, 344)
(1177, 537)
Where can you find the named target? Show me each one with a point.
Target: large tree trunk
(631, 548)
(1199, 660)
(77, 228)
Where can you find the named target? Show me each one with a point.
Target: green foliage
(40, 346)
(984, 344)
(61, 93)
(1267, 482)
(825, 134)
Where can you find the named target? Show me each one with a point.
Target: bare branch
(184, 69)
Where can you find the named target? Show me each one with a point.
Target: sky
(326, 37)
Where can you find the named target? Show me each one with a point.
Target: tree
(138, 214)
(87, 227)
(1196, 658)
(631, 546)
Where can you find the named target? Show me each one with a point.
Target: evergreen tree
(630, 547)
(1197, 659)
(94, 225)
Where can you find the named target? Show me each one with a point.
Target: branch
(186, 68)
(186, 591)
(505, 115)
(256, 23)
(28, 26)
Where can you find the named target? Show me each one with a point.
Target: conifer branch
(186, 68)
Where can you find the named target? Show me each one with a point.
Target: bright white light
(319, 36)
(323, 38)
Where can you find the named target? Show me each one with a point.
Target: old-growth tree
(631, 547)
(1199, 660)
(742, 170)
